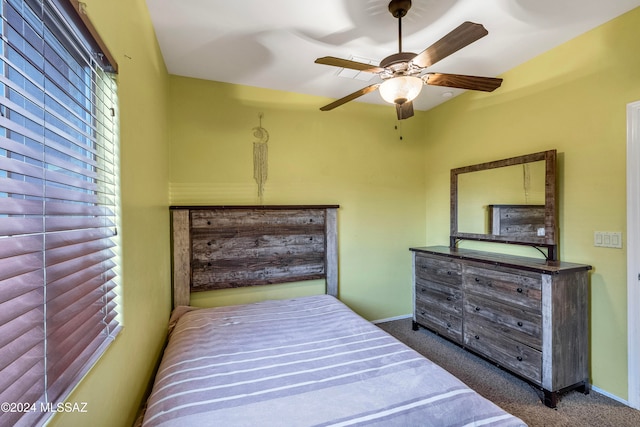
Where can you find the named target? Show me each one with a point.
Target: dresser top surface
(504, 260)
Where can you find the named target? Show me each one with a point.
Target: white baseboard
(609, 395)
(403, 316)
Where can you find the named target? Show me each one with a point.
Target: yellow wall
(574, 99)
(114, 388)
(187, 141)
(352, 157)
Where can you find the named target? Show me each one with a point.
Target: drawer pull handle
(519, 358)
(477, 337)
(519, 323)
(477, 279)
(519, 290)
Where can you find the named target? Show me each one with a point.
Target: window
(58, 205)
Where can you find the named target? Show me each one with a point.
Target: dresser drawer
(438, 270)
(508, 320)
(509, 286)
(511, 354)
(441, 320)
(447, 298)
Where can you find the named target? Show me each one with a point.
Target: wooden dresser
(529, 316)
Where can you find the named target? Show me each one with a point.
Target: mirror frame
(549, 240)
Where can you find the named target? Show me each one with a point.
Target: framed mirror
(509, 201)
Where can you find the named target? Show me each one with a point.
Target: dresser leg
(414, 325)
(585, 388)
(551, 398)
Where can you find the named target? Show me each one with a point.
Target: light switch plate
(607, 239)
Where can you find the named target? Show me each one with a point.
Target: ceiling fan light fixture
(399, 72)
(401, 89)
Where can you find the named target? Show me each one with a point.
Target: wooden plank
(442, 321)
(256, 207)
(439, 269)
(513, 355)
(224, 232)
(446, 297)
(331, 255)
(567, 325)
(521, 325)
(181, 257)
(252, 218)
(510, 286)
(547, 332)
(205, 249)
(243, 273)
(521, 221)
(551, 207)
(537, 265)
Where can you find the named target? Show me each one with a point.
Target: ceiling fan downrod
(398, 9)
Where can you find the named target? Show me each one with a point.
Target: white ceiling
(273, 44)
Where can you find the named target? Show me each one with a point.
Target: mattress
(307, 361)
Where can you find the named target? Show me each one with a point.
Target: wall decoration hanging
(260, 155)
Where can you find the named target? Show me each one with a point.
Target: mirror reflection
(521, 184)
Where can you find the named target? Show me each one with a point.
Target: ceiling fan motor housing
(399, 63)
(399, 8)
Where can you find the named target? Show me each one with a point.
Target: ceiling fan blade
(350, 97)
(346, 63)
(487, 84)
(404, 110)
(464, 35)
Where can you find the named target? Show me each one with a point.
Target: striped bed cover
(308, 361)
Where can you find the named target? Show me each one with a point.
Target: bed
(305, 361)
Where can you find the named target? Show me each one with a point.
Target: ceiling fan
(402, 73)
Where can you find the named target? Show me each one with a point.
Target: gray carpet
(511, 393)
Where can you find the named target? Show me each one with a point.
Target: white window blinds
(58, 205)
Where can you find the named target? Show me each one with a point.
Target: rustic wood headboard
(219, 247)
(518, 221)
